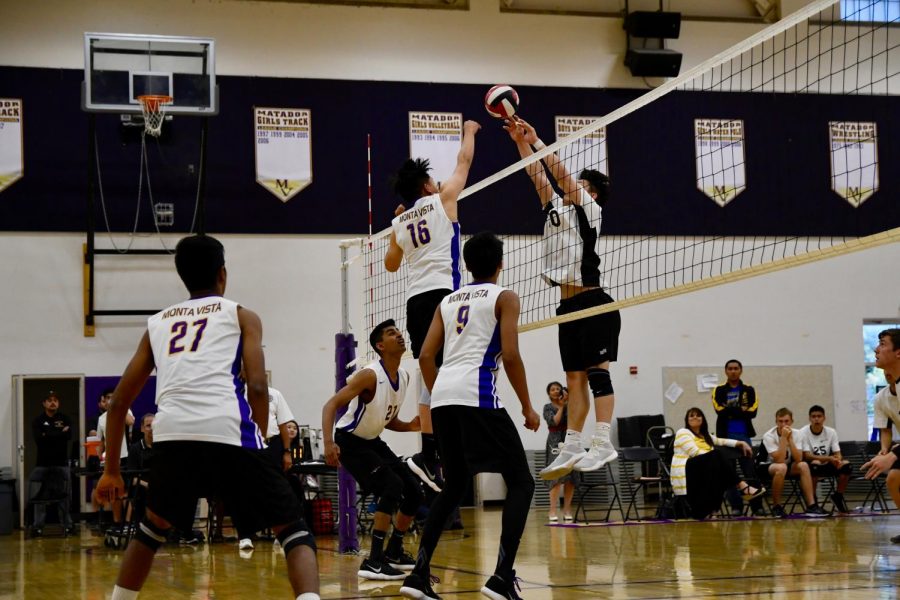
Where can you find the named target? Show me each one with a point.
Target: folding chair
(753, 479)
(857, 454)
(876, 491)
(603, 478)
(649, 475)
(52, 490)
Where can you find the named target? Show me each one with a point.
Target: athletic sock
(377, 552)
(308, 596)
(601, 433)
(573, 437)
(429, 448)
(395, 544)
(120, 593)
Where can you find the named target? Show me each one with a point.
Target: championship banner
(587, 152)
(719, 145)
(854, 160)
(12, 164)
(283, 150)
(436, 136)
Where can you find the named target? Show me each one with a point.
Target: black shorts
(829, 470)
(590, 341)
(246, 480)
(362, 458)
(419, 314)
(474, 440)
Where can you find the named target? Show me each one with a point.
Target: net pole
(344, 353)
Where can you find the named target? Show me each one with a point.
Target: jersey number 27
(180, 329)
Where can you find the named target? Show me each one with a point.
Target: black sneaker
(778, 511)
(419, 588)
(403, 560)
(380, 570)
(896, 539)
(839, 503)
(760, 512)
(497, 588)
(418, 465)
(814, 510)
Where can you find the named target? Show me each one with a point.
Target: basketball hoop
(154, 112)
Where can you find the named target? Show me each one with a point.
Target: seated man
(822, 450)
(373, 398)
(786, 458)
(139, 457)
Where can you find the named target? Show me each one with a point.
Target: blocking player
(207, 440)
(427, 234)
(476, 326)
(373, 398)
(587, 346)
(887, 413)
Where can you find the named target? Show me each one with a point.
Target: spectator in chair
(822, 450)
(701, 473)
(781, 443)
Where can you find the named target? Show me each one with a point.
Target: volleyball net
(818, 50)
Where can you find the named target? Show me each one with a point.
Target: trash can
(7, 501)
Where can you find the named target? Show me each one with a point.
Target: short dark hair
(378, 333)
(107, 391)
(816, 408)
(552, 383)
(894, 334)
(411, 178)
(734, 360)
(598, 183)
(144, 418)
(483, 254)
(782, 412)
(198, 259)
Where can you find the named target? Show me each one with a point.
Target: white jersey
(101, 431)
(824, 443)
(279, 412)
(431, 245)
(367, 419)
(571, 243)
(771, 441)
(197, 350)
(468, 376)
(887, 409)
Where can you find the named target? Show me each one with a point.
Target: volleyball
(501, 101)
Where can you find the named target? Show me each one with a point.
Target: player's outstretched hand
(530, 135)
(516, 133)
(532, 420)
(332, 454)
(471, 127)
(109, 488)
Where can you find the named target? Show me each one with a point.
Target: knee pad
(390, 492)
(600, 382)
(412, 499)
(294, 535)
(150, 535)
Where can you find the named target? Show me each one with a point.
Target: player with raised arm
(427, 234)
(570, 260)
(206, 433)
(477, 327)
(373, 398)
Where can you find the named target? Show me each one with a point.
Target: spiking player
(476, 326)
(588, 345)
(427, 234)
(207, 440)
(374, 396)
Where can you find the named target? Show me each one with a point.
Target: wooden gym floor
(842, 557)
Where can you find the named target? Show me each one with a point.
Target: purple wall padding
(344, 352)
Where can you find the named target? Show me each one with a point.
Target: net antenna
(153, 107)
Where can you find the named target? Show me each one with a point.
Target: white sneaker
(245, 544)
(599, 454)
(569, 454)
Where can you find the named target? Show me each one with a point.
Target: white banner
(12, 164)
(854, 160)
(436, 136)
(719, 145)
(588, 152)
(283, 150)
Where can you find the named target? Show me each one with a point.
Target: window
(871, 11)
(874, 376)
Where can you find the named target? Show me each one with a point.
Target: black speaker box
(647, 24)
(653, 63)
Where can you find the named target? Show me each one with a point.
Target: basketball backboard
(119, 67)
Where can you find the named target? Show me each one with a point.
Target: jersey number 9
(462, 318)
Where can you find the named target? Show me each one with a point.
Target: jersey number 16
(420, 231)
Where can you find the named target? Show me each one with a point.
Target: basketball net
(153, 108)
